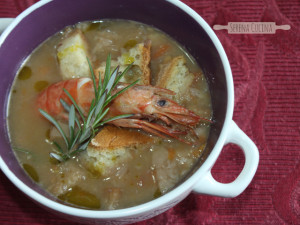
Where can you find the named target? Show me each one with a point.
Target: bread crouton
(176, 77)
(111, 147)
(170, 166)
(65, 176)
(166, 172)
(72, 53)
(113, 65)
(139, 55)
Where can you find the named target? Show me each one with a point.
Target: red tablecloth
(266, 72)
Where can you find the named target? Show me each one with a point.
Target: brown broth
(132, 182)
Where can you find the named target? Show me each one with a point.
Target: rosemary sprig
(23, 150)
(83, 129)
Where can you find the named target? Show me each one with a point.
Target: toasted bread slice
(139, 55)
(111, 137)
(72, 53)
(176, 77)
(111, 147)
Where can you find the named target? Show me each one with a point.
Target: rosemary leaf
(92, 106)
(121, 75)
(100, 86)
(100, 104)
(114, 118)
(112, 80)
(100, 117)
(107, 71)
(58, 147)
(86, 133)
(81, 148)
(65, 105)
(56, 156)
(67, 108)
(89, 118)
(56, 124)
(75, 139)
(93, 78)
(22, 150)
(72, 122)
(120, 92)
(75, 104)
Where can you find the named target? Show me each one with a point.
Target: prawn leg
(152, 128)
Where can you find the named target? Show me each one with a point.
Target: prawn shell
(80, 89)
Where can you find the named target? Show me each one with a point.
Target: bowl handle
(208, 185)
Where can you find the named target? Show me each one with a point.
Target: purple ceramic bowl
(47, 17)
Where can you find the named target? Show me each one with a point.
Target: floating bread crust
(66, 176)
(111, 137)
(146, 50)
(176, 77)
(139, 55)
(111, 147)
(72, 53)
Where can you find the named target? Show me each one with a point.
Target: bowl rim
(186, 186)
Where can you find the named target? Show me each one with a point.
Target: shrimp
(81, 89)
(146, 103)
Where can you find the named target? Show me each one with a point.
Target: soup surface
(136, 166)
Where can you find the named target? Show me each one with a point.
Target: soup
(130, 160)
